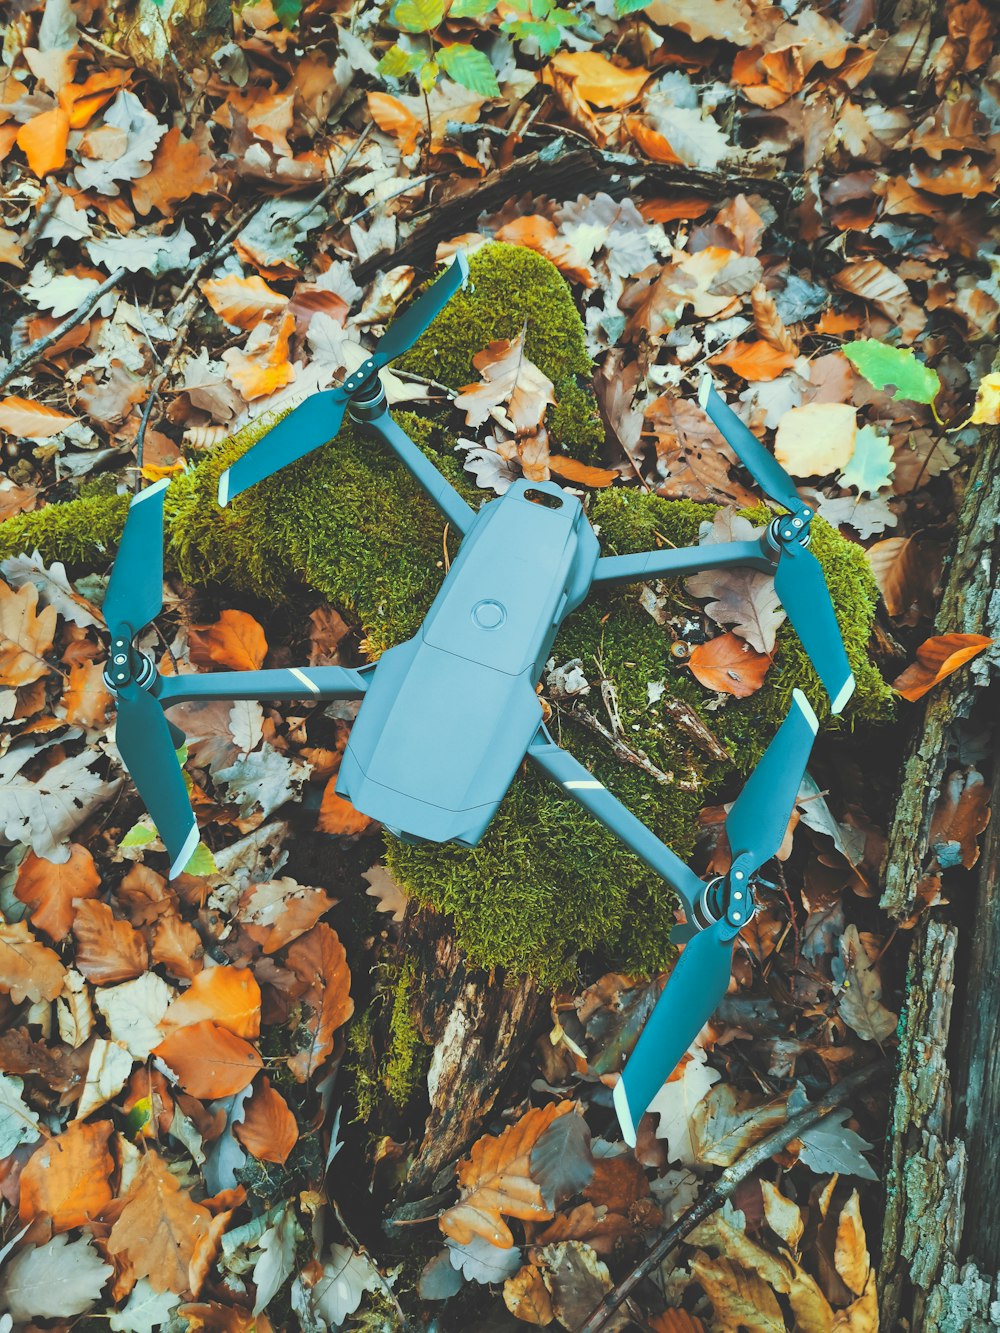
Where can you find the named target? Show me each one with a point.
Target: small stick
(623, 751)
(42, 345)
(725, 1186)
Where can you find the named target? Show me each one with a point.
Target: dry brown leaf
(938, 657)
(740, 1297)
(66, 1182)
(107, 950)
(28, 968)
(242, 302)
(582, 473)
(851, 1258)
(43, 141)
(675, 1321)
(816, 439)
(873, 281)
(961, 814)
(319, 962)
(754, 361)
(268, 1129)
(596, 79)
(513, 390)
(388, 894)
(536, 232)
(769, 323)
(327, 630)
(228, 996)
(729, 665)
(208, 1060)
(898, 572)
(280, 910)
(393, 118)
(86, 699)
(25, 634)
(263, 365)
(48, 889)
(179, 170)
(496, 1179)
(159, 1226)
(526, 1297)
(692, 456)
(338, 815)
(27, 420)
(235, 640)
(178, 947)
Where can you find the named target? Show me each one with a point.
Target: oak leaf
(159, 1226)
(268, 1129)
(280, 910)
(235, 640)
(107, 950)
(742, 598)
(319, 962)
(28, 968)
(938, 657)
(389, 896)
(729, 665)
(86, 699)
(263, 365)
(66, 1181)
(242, 302)
(179, 170)
(860, 1001)
(25, 635)
(495, 1179)
(513, 390)
(54, 1280)
(49, 888)
(27, 420)
(229, 996)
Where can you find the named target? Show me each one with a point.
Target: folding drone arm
(613, 570)
(290, 683)
(579, 783)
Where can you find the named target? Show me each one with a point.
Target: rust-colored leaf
(496, 1180)
(235, 640)
(178, 947)
(107, 950)
(66, 1182)
(86, 698)
(25, 635)
(43, 141)
(278, 911)
(28, 420)
(393, 118)
(228, 996)
(851, 1257)
(961, 814)
(729, 665)
(180, 169)
(754, 361)
(208, 1060)
(582, 473)
(597, 80)
(938, 657)
(319, 962)
(48, 889)
(337, 814)
(268, 1128)
(242, 301)
(263, 365)
(159, 1226)
(28, 968)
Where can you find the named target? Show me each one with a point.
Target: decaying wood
(942, 1214)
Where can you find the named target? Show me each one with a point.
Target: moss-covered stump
(547, 881)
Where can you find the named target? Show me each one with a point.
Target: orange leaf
(392, 117)
(676, 1321)
(730, 665)
(754, 361)
(337, 815)
(31, 421)
(582, 473)
(82, 101)
(268, 1128)
(320, 963)
(655, 145)
(229, 996)
(43, 141)
(66, 1182)
(536, 232)
(28, 968)
(242, 301)
(209, 1060)
(180, 169)
(86, 698)
(159, 1226)
(49, 889)
(936, 658)
(263, 366)
(107, 950)
(596, 79)
(24, 635)
(235, 640)
(178, 947)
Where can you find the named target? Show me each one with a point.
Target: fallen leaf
(389, 896)
(583, 474)
(66, 1181)
(263, 365)
(236, 640)
(596, 79)
(729, 665)
(509, 379)
(962, 812)
(393, 118)
(851, 1257)
(754, 361)
(159, 1226)
(742, 598)
(44, 811)
(280, 910)
(873, 281)
(527, 1298)
(338, 815)
(986, 411)
(938, 657)
(179, 170)
(319, 962)
(25, 635)
(872, 464)
(229, 996)
(107, 1071)
(43, 141)
(107, 950)
(27, 420)
(242, 302)
(816, 439)
(86, 699)
(740, 1297)
(898, 571)
(48, 889)
(52, 1281)
(268, 1129)
(28, 968)
(208, 1060)
(860, 1001)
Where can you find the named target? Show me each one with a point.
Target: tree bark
(941, 1227)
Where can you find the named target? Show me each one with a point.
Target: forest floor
(208, 215)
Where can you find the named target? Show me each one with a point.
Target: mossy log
(941, 1230)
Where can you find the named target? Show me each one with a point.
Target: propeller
(320, 417)
(755, 826)
(798, 578)
(146, 740)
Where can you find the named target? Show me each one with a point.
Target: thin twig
(637, 757)
(724, 1187)
(42, 345)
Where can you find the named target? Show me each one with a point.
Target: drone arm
(444, 495)
(290, 683)
(579, 783)
(613, 570)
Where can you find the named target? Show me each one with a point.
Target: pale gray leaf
(18, 1122)
(263, 780)
(45, 811)
(53, 1281)
(146, 1310)
(277, 1262)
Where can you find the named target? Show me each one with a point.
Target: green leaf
(417, 15)
(138, 835)
(547, 35)
(202, 862)
(471, 9)
(871, 466)
(623, 7)
(288, 12)
(470, 68)
(397, 63)
(882, 365)
(429, 75)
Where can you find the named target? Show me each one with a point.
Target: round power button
(489, 614)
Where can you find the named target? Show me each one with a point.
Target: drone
(447, 718)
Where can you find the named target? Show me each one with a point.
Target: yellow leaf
(987, 409)
(817, 439)
(850, 1257)
(597, 80)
